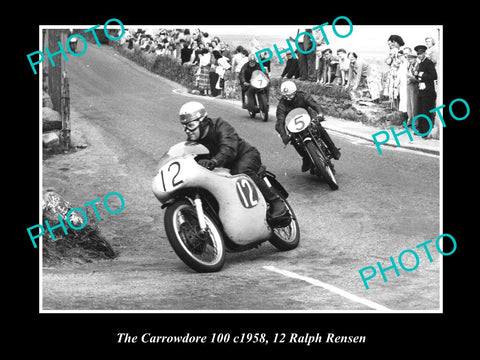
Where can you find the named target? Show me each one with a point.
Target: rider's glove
(207, 163)
(285, 139)
(320, 118)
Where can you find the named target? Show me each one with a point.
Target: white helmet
(191, 111)
(288, 89)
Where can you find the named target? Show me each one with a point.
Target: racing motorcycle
(210, 212)
(259, 85)
(304, 133)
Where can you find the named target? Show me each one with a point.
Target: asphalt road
(385, 204)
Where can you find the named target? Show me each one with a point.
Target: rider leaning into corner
(227, 150)
(291, 99)
(244, 77)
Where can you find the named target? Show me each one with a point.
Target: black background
(387, 334)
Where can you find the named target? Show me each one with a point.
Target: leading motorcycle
(209, 212)
(304, 133)
(259, 85)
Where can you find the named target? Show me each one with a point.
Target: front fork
(197, 202)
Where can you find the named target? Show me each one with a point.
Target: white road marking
(332, 288)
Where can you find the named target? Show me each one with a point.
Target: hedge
(335, 100)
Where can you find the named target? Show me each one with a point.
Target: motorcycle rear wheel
(288, 237)
(322, 168)
(201, 252)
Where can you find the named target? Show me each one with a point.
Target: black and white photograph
(202, 174)
(254, 186)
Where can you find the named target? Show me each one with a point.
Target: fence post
(65, 113)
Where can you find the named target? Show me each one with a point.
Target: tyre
(322, 167)
(201, 252)
(288, 237)
(263, 105)
(252, 114)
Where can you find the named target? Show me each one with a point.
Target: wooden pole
(65, 113)
(55, 72)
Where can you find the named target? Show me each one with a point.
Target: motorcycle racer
(227, 150)
(291, 99)
(244, 78)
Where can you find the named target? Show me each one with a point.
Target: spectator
(306, 62)
(412, 86)
(426, 75)
(170, 51)
(203, 71)
(238, 60)
(194, 55)
(330, 66)
(342, 68)
(402, 78)
(432, 49)
(160, 50)
(266, 64)
(394, 43)
(291, 69)
(223, 65)
(204, 38)
(188, 37)
(358, 73)
(225, 50)
(185, 52)
(310, 45)
(319, 65)
(213, 74)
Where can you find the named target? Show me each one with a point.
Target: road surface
(385, 205)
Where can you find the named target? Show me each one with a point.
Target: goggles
(289, 96)
(192, 125)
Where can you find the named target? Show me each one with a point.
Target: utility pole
(58, 84)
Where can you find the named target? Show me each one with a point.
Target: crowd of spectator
(212, 59)
(322, 66)
(349, 70)
(412, 79)
(215, 62)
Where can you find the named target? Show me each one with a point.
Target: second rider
(291, 99)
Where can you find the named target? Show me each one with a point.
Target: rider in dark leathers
(291, 99)
(227, 150)
(244, 78)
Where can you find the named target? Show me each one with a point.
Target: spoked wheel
(287, 238)
(202, 251)
(322, 166)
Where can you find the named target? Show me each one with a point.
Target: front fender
(276, 185)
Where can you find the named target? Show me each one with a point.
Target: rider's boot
(277, 208)
(335, 152)
(278, 214)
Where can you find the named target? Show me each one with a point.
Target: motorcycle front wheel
(201, 251)
(322, 168)
(263, 105)
(288, 237)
